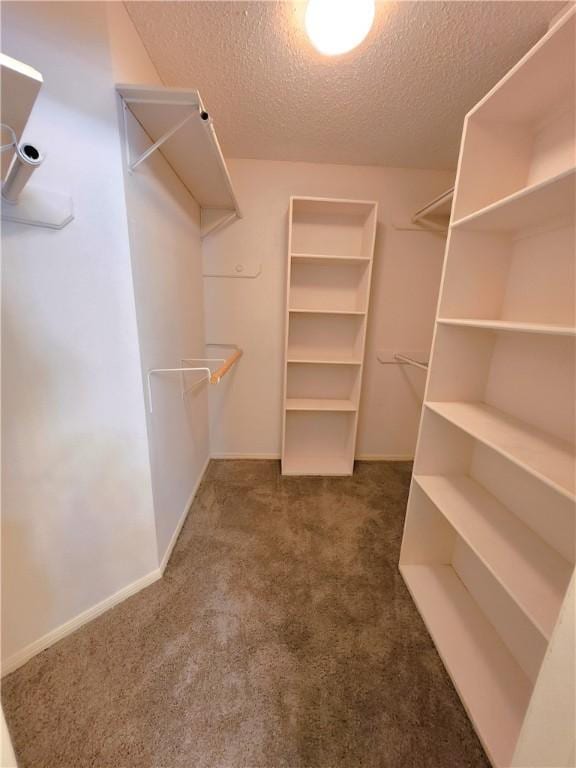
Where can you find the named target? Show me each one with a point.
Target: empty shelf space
(318, 404)
(547, 201)
(544, 456)
(514, 326)
(313, 258)
(532, 573)
(492, 686)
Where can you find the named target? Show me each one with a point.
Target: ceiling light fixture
(338, 26)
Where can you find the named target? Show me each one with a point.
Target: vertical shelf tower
(330, 252)
(488, 549)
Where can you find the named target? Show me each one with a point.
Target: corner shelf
(180, 128)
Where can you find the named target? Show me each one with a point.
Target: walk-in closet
(288, 434)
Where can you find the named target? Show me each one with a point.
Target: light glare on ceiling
(338, 26)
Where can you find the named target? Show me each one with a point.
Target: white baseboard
(384, 457)
(277, 456)
(173, 540)
(268, 456)
(24, 655)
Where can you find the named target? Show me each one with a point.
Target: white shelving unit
(488, 548)
(179, 126)
(330, 251)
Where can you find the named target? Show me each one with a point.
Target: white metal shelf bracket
(133, 165)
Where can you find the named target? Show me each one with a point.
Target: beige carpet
(281, 636)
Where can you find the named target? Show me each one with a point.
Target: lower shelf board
(541, 454)
(312, 466)
(318, 404)
(492, 686)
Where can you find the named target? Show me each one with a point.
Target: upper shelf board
(176, 121)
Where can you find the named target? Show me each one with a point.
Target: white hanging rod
(409, 361)
(214, 377)
(395, 358)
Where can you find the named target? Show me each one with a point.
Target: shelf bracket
(132, 165)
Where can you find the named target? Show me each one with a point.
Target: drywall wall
(246, 410)
(167, 271)
(77, 509)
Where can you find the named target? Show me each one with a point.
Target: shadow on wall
(59, 555)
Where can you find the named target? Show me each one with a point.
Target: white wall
(246, 410)
(78, 520)
(167, 270)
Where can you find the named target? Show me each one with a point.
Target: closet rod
(410, 361)
(225, 367)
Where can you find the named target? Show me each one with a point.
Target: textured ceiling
(397, 100)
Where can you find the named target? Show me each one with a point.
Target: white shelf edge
(496, 509)
(328, 257)
(517, 196)
(433, 407)
(335, 405)
(313, 361)
(300, 311)
(509, 326)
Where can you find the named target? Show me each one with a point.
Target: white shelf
(294, 310)
(177, 119)
(318, 404)
(545, 457)
(547, 201)
(316, 361)
(326, 308)
(513, 326)
(492, 686)
(313, 258)
(533, 574)
(334, 466)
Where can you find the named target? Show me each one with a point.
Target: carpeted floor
(281, 636)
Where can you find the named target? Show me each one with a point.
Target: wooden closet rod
(225, 367)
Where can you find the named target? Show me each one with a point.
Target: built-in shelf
(179, 126)
(493, 687)
(488, 544)
(550, 200)
(513, 326)
(535, 575)
(294, 310)
(330, 250)
(313, 258)
(544, 456)
(317, 361)
(318, 404)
